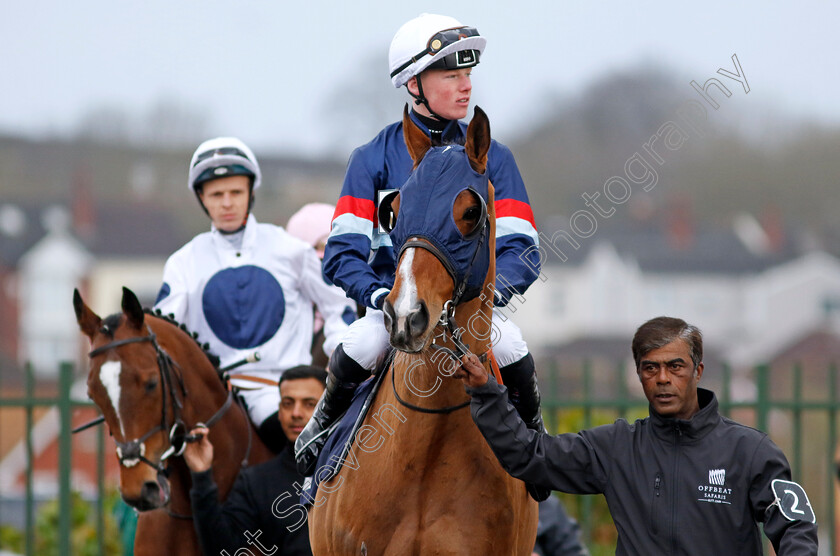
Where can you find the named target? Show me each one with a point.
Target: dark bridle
(133, 451)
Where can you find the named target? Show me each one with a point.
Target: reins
(447, 323)
(447, 316)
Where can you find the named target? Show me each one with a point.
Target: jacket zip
(655, 510)
(673, 512)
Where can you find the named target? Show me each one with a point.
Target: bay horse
(422, 479)
(153, 382)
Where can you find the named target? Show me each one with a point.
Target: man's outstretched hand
(472, 371)
(199, 454)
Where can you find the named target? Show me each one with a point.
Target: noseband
(447, 316)
(133, 451)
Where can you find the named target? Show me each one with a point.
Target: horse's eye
(472, 213)
(151, 385)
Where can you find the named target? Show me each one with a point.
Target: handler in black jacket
(258, 514)
(683, 481)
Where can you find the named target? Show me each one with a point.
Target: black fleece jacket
(687, 487)
(258, 514)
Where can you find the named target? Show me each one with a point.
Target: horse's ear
(89, 321)
(478, 140)
(416, 141)
(132, 309)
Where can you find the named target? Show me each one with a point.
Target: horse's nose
(406, 330)
(417, 321)
(390, 316)
(150, 497)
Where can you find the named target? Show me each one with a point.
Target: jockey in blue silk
(245, 286)
(432, 56)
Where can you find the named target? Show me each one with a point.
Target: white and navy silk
(258, 297)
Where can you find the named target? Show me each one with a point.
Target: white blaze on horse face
(407, 299)
(109, 376)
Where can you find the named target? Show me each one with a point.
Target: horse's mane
(205, 347)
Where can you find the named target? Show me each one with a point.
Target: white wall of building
(48, 273)
(108, 276)
(744, 317)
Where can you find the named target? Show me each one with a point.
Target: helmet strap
(198, 196)
(420, 98)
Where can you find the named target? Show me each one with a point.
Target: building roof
(136, 229)
(712, 250)
(822, 344)
(115, 229)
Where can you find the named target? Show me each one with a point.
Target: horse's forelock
(110, 324)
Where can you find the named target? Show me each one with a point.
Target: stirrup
(313, 446)
(306, 455)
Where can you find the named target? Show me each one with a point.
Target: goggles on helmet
(220, 151)
(456, 60)
(223, 172)
(442, 39)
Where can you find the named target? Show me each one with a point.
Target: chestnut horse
(421, 479)
(153, 383)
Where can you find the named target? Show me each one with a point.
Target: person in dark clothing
(558, 534)
(684, 480)
(259, 512)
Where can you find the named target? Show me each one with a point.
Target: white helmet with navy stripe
(432, 41)
(221, 157)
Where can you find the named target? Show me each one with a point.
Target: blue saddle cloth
(341, 438)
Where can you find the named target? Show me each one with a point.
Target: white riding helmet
(221, 157)
(431, 40)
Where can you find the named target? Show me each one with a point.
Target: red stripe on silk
(363, 208)
(518, 209)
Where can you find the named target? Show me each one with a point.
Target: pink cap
(312, 223)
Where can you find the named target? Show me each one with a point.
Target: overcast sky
(266, 70)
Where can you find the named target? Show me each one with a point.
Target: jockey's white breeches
(366, 341)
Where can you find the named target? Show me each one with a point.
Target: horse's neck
(205, 396)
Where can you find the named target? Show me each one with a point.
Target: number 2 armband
(792, 501)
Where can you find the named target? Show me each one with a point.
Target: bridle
(131, 452)
(446, 320)
(479, 235)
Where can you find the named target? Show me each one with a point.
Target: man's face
(669, 380)
(448, 92)
(298, 398)
(226, 200)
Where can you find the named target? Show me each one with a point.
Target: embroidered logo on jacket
(716, 490)
(717, 476)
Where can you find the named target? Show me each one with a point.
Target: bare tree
(362, 104)
(168, 122)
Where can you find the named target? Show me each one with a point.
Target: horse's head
(134, 384)
(442, 226)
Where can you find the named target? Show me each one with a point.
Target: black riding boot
(520, 378)
(331, 406)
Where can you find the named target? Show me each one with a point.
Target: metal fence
(65, 404)
(796, 407)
